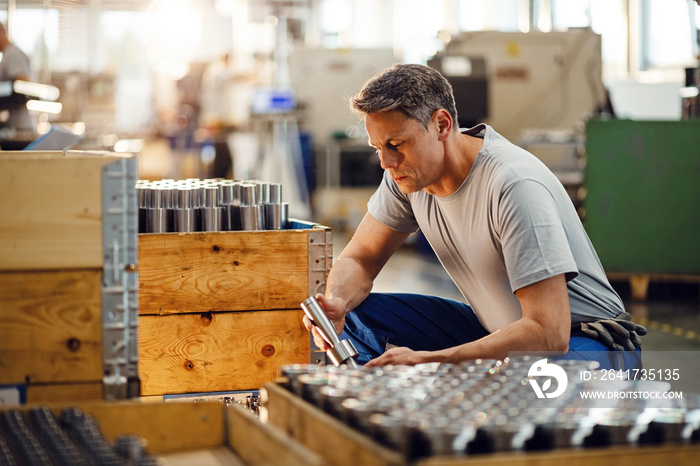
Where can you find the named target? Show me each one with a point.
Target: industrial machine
(536, 80)
(534, 88)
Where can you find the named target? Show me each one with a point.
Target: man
(15, 66)
(501, 224)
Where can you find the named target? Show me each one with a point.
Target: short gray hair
(416, 90)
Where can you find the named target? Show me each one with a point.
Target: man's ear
(443, 119)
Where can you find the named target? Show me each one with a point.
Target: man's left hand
(399, 356)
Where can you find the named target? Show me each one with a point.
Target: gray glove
(619, 333)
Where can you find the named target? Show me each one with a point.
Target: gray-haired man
(501, 224)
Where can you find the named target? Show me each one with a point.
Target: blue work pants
(429, 323)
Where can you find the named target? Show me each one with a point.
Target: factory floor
(671, 311)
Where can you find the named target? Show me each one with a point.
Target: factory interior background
(248, 89)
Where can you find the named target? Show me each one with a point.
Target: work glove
(619, 333)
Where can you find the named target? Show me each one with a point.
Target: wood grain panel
(321, 433)
(211, 352)
(166, 427)
(50, 326)
(619, 456)
(54, 393)
(262, 444)
(224, 271)
(51, 210)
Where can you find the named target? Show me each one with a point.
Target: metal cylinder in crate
(210, 205)
(276, 216)
(185, 220)
(249, 217)
(157, 220)
(211, 218)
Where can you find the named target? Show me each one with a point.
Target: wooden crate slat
(195, 433)
(166, 427)
(51, 210)
(50, 326)
(339, 444)
(62, 392)
(222, 271)
(619, 456)
(258, 443)
(210, 352)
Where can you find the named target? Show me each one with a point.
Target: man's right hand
(335, 310)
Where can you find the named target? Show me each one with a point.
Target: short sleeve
(534, 241)
(391, 207)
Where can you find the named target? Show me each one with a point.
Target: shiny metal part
(249, 217)
(211, 218)
(184, 220)
(275, 196)
(341, 351)
(157, 220)
(469, 408)
(210, 205)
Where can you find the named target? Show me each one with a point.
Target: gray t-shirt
(509, 225)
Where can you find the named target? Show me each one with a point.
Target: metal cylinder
(263, 192)
(249, 217)
(142, 191)
(341, 351)
(273, 216)
(284, 215)
(157, 199)
(226, 193)
(187, 205)
(184, 220)
(261, 217)
(183, 197)
(276, 216)
(211, 218)
(248, 194)
(209, 196)
(275, 193)
(157, 221)
(233, 217)
(143, 220)
(236, 200)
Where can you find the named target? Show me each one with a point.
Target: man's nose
(387, 159)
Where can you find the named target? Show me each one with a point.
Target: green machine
(643, 195)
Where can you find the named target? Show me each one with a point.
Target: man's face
(412, 155)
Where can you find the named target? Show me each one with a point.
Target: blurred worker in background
(501, 224)
(15, 66)
(226, 99)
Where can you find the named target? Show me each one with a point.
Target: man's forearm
(522, 335)
(349, 281)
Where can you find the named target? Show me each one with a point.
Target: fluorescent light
(40, 91)
(44, 107)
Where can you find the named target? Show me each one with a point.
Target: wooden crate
(197, 433)
(321, 433)
(341, 445)
(221, 311)
(51, 333)
(52, 267)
